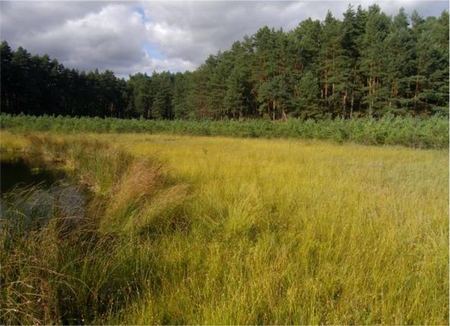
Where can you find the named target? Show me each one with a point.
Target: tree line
(368, 64)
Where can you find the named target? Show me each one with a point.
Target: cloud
(194, 30)
(24, 17)
(129, 37)
(108, 37)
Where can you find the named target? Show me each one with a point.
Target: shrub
(388, 130)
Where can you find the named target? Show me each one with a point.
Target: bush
(388, 130)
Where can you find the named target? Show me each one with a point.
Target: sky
(128, 37)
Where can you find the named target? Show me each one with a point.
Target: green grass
(410, 132)
(246, 231)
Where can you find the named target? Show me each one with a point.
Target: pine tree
(399, 55)
(239, 100)
(373, 62)
(7, 78)
(431, 67)
(333, 66)
(140, 98)
(162, 93)
(181, 89)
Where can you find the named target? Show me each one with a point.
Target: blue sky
(145, 36)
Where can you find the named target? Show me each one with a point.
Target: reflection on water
(15, 171)
(31, 196)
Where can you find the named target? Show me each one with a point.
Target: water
(31, 193)
(15, 171)
(36, 202)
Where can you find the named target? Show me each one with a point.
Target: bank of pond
(63, 259)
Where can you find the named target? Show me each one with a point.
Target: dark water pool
(28, 192)
(15, 171)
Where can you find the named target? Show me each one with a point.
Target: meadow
(215, 230)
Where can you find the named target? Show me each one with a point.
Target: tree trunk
(351, 106)
(344, 103)
(274, 108)
(283, 116)
(326, 80)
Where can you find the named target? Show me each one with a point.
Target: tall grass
(300, 233)
(410, 132)
(75, 263)
(258, 232)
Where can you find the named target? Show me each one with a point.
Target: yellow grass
(300, 232)
(283, 232)
(11, 142)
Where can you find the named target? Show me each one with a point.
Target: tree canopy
(367, 64)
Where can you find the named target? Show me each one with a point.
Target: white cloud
(130, 37)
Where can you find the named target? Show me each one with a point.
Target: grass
(247, 231)
(405, 131)
(76, 265)
(302, 233)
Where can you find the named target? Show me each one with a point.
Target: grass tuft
(66, 257)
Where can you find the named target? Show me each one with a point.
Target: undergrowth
(405, 131)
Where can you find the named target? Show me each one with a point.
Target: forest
(367, 64)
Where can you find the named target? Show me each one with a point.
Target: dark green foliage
(366, 65)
